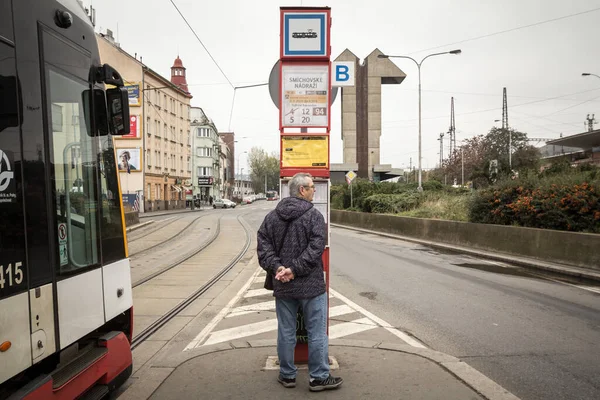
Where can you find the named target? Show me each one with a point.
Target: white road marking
(335, 331)
(265, 306)
(258, 292)
(401, 335)
(349, 328)
(256, 328)
(208, 329)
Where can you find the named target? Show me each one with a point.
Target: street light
(456, 52)
(588, 74)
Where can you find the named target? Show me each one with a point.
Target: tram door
(14, 303)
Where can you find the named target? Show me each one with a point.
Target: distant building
(158, 149)
(206, 156)
(582, 148)
(242, 187)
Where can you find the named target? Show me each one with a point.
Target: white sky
(534, 63)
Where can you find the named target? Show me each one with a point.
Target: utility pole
(590, 122)
(441, 139)
(462, 157)
(452, 129)
(410, 169)
(505, 128)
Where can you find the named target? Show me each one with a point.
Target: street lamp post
(588, 74)
(458, 51)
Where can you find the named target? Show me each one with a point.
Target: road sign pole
(351, 199)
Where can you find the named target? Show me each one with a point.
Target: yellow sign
(305, 152)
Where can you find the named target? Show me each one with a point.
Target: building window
(148, 127)
(165, 165)
(204, 151)
(189, 164)
(149, 192)
(148, 157)
(165, 130)
(204, 171)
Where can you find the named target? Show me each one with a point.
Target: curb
(140, 225)
(461, 370)
(526, 263)
(158, 213)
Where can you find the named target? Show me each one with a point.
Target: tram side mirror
(100, 113)
(117, 100)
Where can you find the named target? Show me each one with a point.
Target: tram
(66, 316)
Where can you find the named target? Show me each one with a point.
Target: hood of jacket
(291, 208)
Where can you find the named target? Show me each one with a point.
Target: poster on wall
(305, 95)
(304, 152)
(134, 128)
(129, 159)
(134, 95)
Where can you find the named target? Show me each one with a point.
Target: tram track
(165, 318)
(145, 232)
(182, 259)
(168, 240)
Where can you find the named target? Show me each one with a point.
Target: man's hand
(284, 274)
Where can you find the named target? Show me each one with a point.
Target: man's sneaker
(287, 382)
(328, 383)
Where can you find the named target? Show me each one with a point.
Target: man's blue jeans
(315, 319)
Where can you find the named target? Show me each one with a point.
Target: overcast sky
(540, 64)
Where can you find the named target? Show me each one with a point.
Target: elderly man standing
(291, 241)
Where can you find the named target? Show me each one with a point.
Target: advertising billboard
(129, 159)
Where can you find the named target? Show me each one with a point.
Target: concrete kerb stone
(140, 225)
(477, 381)
(459, 369)
(563, 270)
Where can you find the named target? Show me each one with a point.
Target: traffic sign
(62, 233)
(343, 73)
(350, 176)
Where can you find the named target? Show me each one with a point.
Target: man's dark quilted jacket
(302, 250)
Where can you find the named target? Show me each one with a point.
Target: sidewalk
(371, 370)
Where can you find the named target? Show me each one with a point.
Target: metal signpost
(304, 101)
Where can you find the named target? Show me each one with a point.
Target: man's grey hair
(298, 180)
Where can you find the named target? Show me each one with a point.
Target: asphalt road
(537, 338)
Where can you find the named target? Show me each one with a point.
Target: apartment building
(155, 158)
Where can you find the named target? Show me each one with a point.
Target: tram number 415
(12, 276)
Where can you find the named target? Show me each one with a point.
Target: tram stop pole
(300, 85)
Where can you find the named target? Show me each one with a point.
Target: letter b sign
(343, 73)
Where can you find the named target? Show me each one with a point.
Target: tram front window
(74, 159)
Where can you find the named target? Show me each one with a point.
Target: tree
(473, 153)
(261, 165)
(478, 151)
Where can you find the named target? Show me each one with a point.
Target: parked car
(223, 203)
(229, 203)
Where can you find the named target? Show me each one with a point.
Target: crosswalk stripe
(258, 292)
(267, 305)
(256, 328)
(349, 328)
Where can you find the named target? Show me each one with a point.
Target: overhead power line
(199, 40)
(510, 30)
